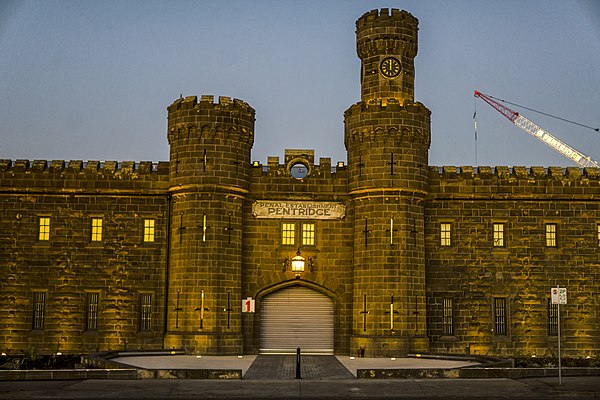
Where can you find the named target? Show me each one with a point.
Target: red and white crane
(539, 133)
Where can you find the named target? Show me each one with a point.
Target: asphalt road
(532, 388)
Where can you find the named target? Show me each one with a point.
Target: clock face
(390, 67)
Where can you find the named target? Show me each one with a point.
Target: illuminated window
(39, 309)
(308, 234)
(447, 317)
(96, 229)
(445, 230)
(598, 228)
(44, 233)
(552, 318)
(91, 311)
(148, 230)
(288, 233)
(145, 312)
(500, 315)
(498, 235)
(550, 235)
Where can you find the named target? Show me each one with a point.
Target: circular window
(299, 170)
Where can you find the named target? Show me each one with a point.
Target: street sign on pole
(558, 296)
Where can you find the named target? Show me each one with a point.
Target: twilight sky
(91, 80)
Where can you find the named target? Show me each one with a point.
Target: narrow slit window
(96, 229)
(448, 317)
(552, 318)
(39, 309)
(148, 230)
(288, 233)
(551, 235)
(500, 316)
(91, 308)
(308, 234)
(44, 230)
(498, 235)
(145, 312)
(445, 234)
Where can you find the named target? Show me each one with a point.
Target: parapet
(89, 167)
(228, 118)
(379, 31)
(517, 172)
(207, 102)
(379, 119)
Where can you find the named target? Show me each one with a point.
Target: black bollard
(298, 375)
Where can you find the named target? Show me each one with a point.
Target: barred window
(445, 231)
(550, 235)
(96, 229)
(552, 318)
(44, 231)
(308, 234)
(500, 315)
(91, 311)
(447, 317)
(39, 309)
(498, 235)
(148, 230)
(145, 312)
(288, 233)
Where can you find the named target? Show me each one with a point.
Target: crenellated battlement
(207, 102)
(104, 168)
(383, 117)
(226, 119)
(516, 173)
(387, 30)
(519, 182)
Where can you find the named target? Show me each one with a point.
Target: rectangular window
(91, 311)
(552, 318)
(550, 235)
(498, 235)
(145, 312)
(96, 229)
(148, 230)
(308, 234)
(39, 309)
(447, 318)
(598, 229)
(288, 233)
(500, 315)
(44, 233)
(445, 230)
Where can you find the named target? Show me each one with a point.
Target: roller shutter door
(296, 317)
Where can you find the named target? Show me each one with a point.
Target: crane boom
(539, 133)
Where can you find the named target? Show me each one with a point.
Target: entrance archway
(296, 317)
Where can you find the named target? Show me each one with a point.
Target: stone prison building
(380, 256)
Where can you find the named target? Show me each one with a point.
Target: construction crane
(539, 133)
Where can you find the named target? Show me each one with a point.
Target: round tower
(210, 147)
(387, 137)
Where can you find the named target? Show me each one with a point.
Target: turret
(209, 179)
(387, 136)
(386, 43)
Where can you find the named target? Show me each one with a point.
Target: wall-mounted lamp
(298, 263)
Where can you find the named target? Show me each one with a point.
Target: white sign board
(558, 295)
(280, 209)
(248, 305)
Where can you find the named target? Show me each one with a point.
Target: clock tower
(387, 137)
